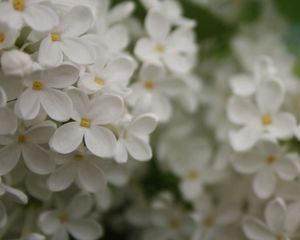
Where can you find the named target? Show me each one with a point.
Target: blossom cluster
(90, 91)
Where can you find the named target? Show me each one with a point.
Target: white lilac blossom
(110, 127)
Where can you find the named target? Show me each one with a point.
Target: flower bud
(16, 62)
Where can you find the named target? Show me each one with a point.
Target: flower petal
(62, 178)
(9, 157)
(9, 121)
(117, 37)
(80, 102)
(85, 229)
(275, 215)
(80, 205)
(269, 96)
(286, 169)
(157, 26)
(50, 53)
(283, 125)
(41, 132)
(145, 51)
(242, 85)
(28, 104)
(138, 148)
(256, 230)
(48, 222)
(106, 109)
(264, 183)
(40, 17)
(120, 154)
(248, 163)
(67, 138)
(37, 159)
(91, 177)
(56, 104)
(100, 141)
(120, 69)
(143, 125)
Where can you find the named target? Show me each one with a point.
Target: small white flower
(174, 49)
(268, 161)
(64, 40)
(36, 14)
(133, 138)
(27, 144)
(108, 76)
(157, 88)
(8, 35)
(88, 125)
(43, 89)
(260, 120)
(79, 166)
(281, 222)
(71, 219)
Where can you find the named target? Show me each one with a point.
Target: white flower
(43, 89)
(281, 222)
(267, 160)
(89, 120)
(175, 49)
(154, 85)
(27, 144)
(8, 35)
(16, 62)
(79, 166)
(263, 120)
(8, 119)
(133, 137)
(36, 14)
(71, 220)
(64, 40)
(108, 76)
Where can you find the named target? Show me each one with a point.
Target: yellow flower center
(270, 159)
(174, 223)
(99, 81)
(149, 85)
(2, 37)
(19, 5)
(38, 85)
(63, 218)
(159, 48)
(85, 123)
(22, 139)
(266, 120)
(208, 222)
(55, 37)
(192, 175)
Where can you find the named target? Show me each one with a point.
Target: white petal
(264, 183)
(191, 189)
(241, 111)
(12, 86)
(157, 26)
(17, 194)
(67, 138)
(153, 72)
(3, 98)
(56, 104)
(62, 178)
(37, 159)
(80, 102)
(117, 37)
(292, 217)
(100, 141)
(80, 205)
(9, 157)
(121, 69)
(41, 132)
(256, 230)
(91, 177)
(269, 96)
(48, 222)
(85, 229)
(283, 125)
(161, 107)
(275, 215)
(77, 21)
(245, 138)
(143, 125)
(40, 17)
(120, 154)
(61, 234)
(145, 50)
(61, 77)
(50, 53)
(138, 148)
(28, 104)
(120, 12)
(178, 63)
(286, 169)
(9, 121)
(82, 55)
(248, 163)
(106, 109)
(242, 85)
